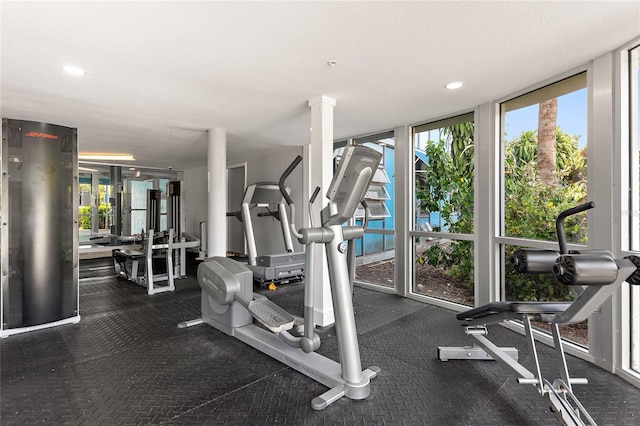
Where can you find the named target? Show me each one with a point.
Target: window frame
(413, 233)
(626, 131)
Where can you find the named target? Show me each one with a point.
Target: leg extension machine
(595, 272)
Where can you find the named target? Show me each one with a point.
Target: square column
(318, 157)
(217, 196)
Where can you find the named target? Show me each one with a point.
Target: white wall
(195, 199)
(265, 167)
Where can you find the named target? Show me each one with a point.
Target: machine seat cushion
(517, 308)
(131, 254)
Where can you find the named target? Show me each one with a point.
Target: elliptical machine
(229, 305)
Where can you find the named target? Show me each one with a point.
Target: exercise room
(304, 213)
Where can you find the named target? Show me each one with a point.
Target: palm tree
(547, 117)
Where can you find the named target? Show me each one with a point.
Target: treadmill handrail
(284, 177)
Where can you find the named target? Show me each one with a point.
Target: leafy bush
(447, 188)
(531, 206)
(84, 216)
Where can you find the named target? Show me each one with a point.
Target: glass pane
(375, 261)
(532, 287)
(444, 176)
(138, 221)
(138, 206)
(139, 194)
(444, 269)
(163, 221)
(541, 287)
(163, 201)
(444, 195)
(380, 272)
(374, 243)
(545, 161)
(84, 209)
(104, 208)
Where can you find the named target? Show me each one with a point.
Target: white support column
(217, 194)
(487, 200)
(319, 163)
(602, 220)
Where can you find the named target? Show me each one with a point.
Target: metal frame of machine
(163, 244)
(270, 268)
(229, 305)
(596, 274)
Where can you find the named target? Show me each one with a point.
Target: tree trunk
(546, 164)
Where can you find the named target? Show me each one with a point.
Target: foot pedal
(271, 315)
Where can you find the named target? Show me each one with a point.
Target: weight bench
(594, 273)
(120, 258)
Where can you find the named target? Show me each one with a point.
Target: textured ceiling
(158, 74)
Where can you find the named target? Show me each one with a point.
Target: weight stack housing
(39, 227)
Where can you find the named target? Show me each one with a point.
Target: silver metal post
(346, 334)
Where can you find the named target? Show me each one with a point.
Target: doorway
(236, 184)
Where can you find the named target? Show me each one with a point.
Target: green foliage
(447, 188)
(531, 207)
(84, 216)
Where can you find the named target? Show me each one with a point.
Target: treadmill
(281, 268)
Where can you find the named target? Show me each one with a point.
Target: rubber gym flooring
(127, 362)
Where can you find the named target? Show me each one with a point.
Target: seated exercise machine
(595, 273)
(161, 245)
(229, 305)
(124, 257)
(282, 268)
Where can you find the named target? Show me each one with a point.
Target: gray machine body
(599, 274)
(229, 305)
(219, 278)
(39, 231)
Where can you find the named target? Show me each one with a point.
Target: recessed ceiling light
(73, 70)
(87, 169)
(105, 156)
(454, 85)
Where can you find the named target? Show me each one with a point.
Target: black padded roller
(534, 261)
(634, 279)
(586, 269)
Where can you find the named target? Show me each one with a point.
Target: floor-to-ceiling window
(444, 209)
(541, 167)
(375, 251)
(138, 206)
(94, 211)
(544, 171)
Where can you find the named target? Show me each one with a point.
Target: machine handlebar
(315, 194)
(562, 241)
(285, 175)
